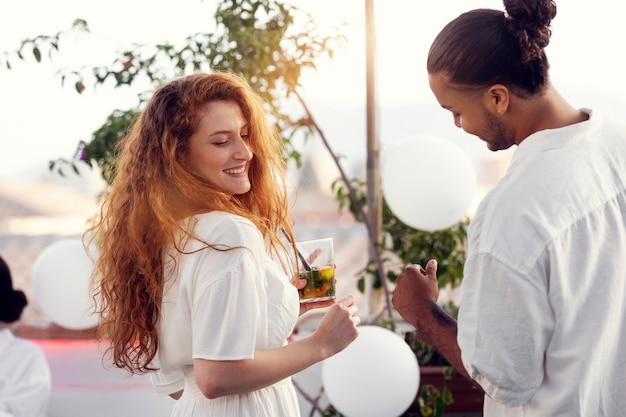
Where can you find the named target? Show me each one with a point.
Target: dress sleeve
(166, 383)
(225, 313)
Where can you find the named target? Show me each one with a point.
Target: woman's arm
(176, 395)
(335, 332)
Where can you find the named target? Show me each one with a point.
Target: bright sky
(40, 120)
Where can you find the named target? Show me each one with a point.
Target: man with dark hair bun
(543, 299)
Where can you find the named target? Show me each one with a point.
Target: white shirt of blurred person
(25, 382)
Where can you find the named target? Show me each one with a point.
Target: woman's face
(219, 150)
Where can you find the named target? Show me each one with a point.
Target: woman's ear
(498, 98)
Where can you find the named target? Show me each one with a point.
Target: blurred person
(194, 276)
(543, 299)
(25, 382)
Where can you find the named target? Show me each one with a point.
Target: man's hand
(415, 298)
(415, 295)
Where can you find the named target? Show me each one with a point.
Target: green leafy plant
(102, 150)
(256, 39)
(433, 401)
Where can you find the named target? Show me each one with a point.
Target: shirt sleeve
(505, 323)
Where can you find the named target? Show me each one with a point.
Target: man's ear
(497, 98)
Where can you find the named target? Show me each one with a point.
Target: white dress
(224, 305)
(25, 381)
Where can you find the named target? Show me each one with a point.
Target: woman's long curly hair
(154, 189)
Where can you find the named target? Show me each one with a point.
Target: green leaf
(81, 25)
(361, 285)
(447, 396)
(37, 54)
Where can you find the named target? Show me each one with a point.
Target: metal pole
(374, 196)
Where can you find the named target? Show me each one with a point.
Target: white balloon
(377, 375)
(60, 278)
(428, 182)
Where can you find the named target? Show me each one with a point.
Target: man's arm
(415, 298)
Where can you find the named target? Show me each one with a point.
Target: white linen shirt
(224, 305)
(25, 382)
(543, 299)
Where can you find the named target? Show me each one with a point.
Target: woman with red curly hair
(193, 277)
